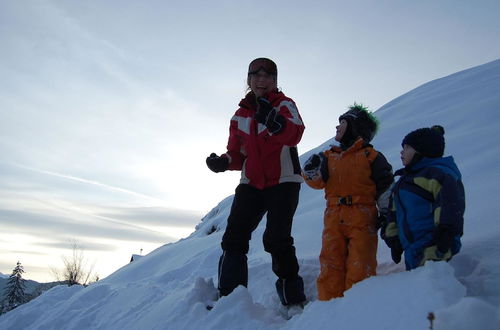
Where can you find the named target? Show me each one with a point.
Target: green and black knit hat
(361, 122)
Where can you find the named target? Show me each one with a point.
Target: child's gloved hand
(396, 249)
(396, 255)
(312, 163)
(316, 165)
(217, 163)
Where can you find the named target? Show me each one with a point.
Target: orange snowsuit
(356, 178)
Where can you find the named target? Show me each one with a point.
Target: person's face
(341, 128)
(261, 83)
(407, 154)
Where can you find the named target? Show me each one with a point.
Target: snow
(170, 287)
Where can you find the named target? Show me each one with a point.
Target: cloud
(78, 180)
(34, 188)
(63, 228)
(85, 245)
(42, 210)
(159, 216)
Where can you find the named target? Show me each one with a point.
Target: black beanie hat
(360, 122)
(428, 141)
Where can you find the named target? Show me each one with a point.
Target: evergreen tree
(14, 290)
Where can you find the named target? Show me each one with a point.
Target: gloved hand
(444, 239)
(396, 255)
(396, 248)
(317, 163)
(265, 108)
(311, 166)
(312, 163)
(217, 163)
(269, 117)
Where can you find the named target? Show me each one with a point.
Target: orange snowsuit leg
(349, 249)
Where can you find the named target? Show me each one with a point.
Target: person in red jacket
(263, 137)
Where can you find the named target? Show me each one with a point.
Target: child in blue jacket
(427, 203)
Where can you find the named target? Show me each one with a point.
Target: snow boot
(289, 311)
(291, 291)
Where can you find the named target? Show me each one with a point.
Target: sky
(109, 109)
(170, 287)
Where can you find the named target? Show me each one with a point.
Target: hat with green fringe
(361, 121)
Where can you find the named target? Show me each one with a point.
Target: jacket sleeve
(390, 229)
(450, 201)
(294, 127)
(315, 183)
(383, 178)
(235, 151)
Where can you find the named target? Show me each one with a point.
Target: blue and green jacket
(429, 192)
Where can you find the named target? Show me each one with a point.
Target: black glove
(265, 108)
(312, 163)
(396, 255)
(396, 248)
(444, 238)
(311, 166)
(269, 117)
(216, 163)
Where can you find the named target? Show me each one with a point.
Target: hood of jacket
(447, 164)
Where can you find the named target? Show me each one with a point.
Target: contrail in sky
(90, 182)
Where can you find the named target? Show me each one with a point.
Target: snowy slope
(168, 288)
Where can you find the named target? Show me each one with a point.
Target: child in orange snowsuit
(356, 179)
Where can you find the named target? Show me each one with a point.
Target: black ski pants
(248, 208)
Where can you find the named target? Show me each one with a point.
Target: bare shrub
(75, 269)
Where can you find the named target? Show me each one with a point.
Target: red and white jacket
(265, 159)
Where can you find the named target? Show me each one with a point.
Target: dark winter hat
(428, 141)
(361, 122)
(265, 64)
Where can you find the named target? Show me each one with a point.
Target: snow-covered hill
(168, 288)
